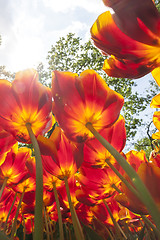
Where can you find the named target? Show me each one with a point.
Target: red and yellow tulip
(82, 99)
(23, 101)
(130, 35)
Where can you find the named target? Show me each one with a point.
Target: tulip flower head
(99, 183)
(14, 168)
(60, 156)
(83, 99)
(96, 154)
(131, 36)
(23, 101)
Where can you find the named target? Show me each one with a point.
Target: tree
(4, 74)
(71, 54)
(157, 2)
(145, 145)
(44, 76)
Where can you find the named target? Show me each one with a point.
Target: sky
(30, 27)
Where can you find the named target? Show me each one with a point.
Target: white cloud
(68, 5)
(75, 27)
(29, 28)
(22, 46)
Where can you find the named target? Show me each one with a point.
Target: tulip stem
(16, 216)
(50, 226)
(116, 188)
(38, 218)
(76, 224)
(117, 227)
(59, 212)
(5, 225)
(3, 186)
(24, 228)
(144, 195)
(150, 224)
(46, 223)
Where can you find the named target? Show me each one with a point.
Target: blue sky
(29, 28)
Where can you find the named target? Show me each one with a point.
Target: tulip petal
(156, 75)
(155, 103)
(156, 119)
(130, 204)
(115, 67)
(60, 157)
(127, 15)
(96, 154)
(150, 175)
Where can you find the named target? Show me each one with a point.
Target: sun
(26, 54)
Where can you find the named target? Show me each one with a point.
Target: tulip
(130, 36)
(82, 99)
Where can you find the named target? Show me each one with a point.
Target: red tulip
(94, 152)
(23, 101)
(130, 36)
(83, 99)
(60, 157)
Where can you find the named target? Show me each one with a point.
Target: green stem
(50, 227)
(24, 228)
(126, 228)
(38, 219)
(76, 224)
(5, 225)
(3, 186)
(59, 212)
(16, 216)
(116, 188)
(144, 195)
(117, 227)
(46, 223)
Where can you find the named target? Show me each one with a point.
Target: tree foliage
(71, 54)
(44, 76)
(145, 145)
(157, 2)
(4, 74)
